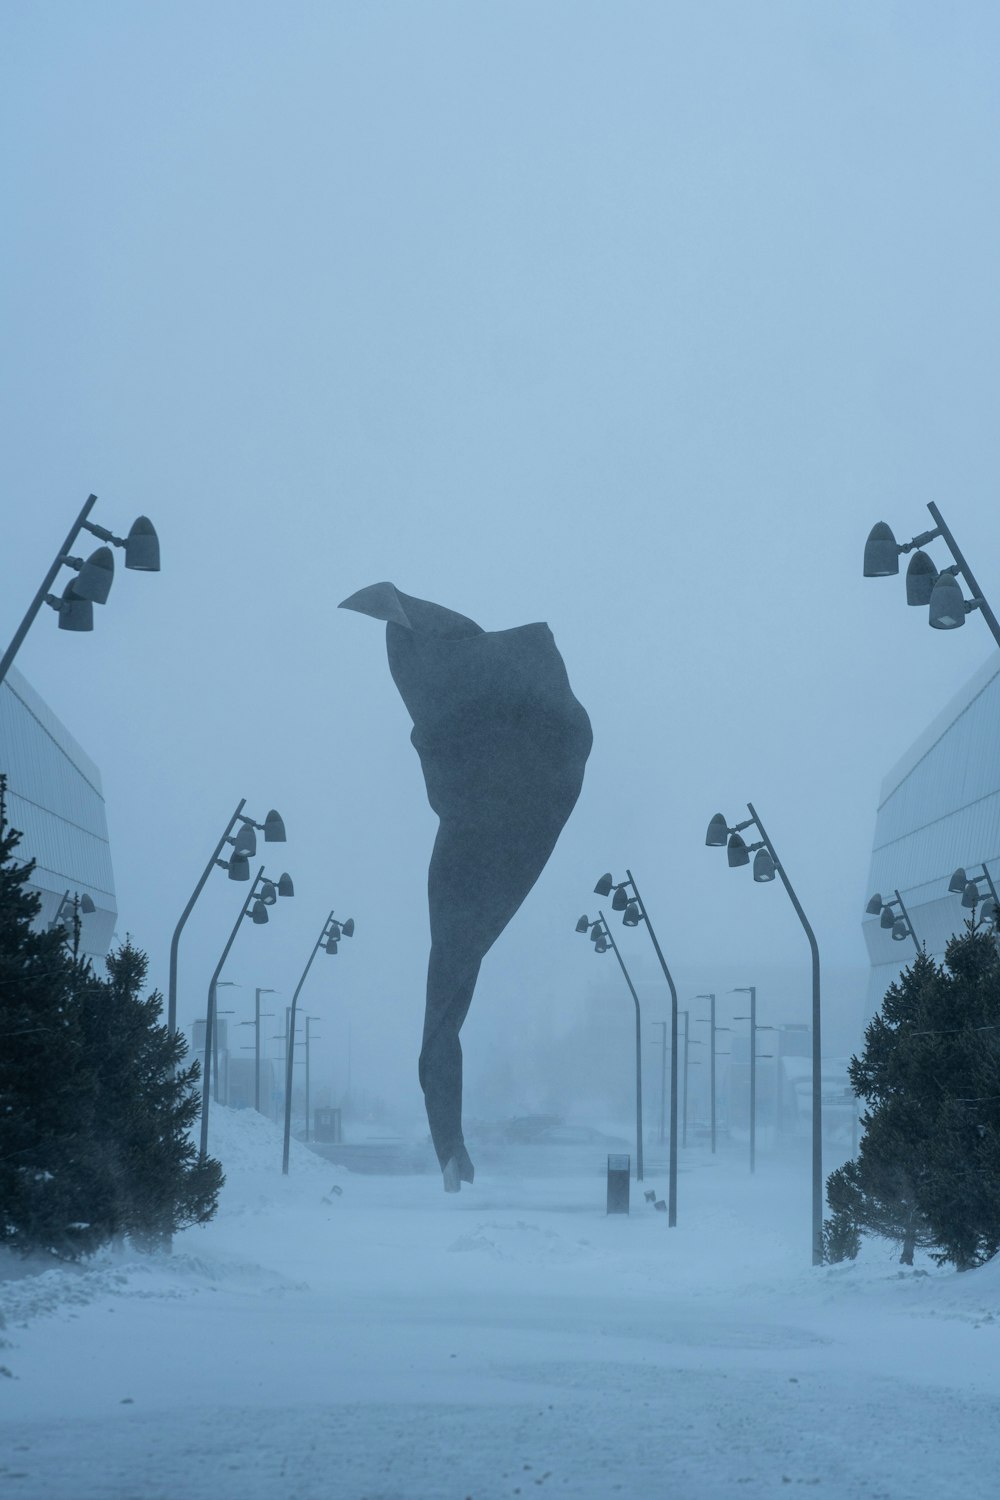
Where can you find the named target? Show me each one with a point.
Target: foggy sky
(632, 318)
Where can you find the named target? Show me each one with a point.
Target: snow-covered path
(392, 1343)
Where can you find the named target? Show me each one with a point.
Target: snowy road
(392, 1343)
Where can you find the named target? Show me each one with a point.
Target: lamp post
(689, 1042)
(228, 984)
(94, 576)
(600, 936)
(901, 926)
(710, 1020)
(968, 887)
(329, 939)
(662, 1134)
(244, 847)
(309, 1038)
(262, 893)
(751, 990)
(765, 866)
(941, 592)
(255, 1023)
(633, 912)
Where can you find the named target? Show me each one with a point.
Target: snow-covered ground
(393, 1343)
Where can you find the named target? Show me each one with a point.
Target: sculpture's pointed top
(383, 601)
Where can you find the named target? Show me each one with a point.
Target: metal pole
(662, 1136)
(638, 1050)
(753, 1076)
(39, 599)
(308, 1019)
(672, 1191)
(210, 1016)
(966, 572)
(172, 983)
(687, 1044)
(256, 1051)
(712, 998)
(289, 1049)
(817, 1052)
(906, 918)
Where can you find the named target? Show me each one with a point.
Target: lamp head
(348, 927)
(142, 547)
(603, 886)
(718, 832)
(87, 906)
(970, 896)
(285, 886)
(763, 867)
(582, 924)
(881, 552)
(888, 917)
(75, 613)
(245, 842)
(274, 828)
(619, 900)
(601, 945)
(921, 576)
(259, 912)
(238, 867)
(331, 946)
(268, 894)
(958, 882)
(95, 578)
(875, 905)
(947, 603)
(632, 916)
(900, 930)
(736, 851)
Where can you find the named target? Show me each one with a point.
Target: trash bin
(619, 1171)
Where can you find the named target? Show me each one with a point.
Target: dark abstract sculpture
(502, 743)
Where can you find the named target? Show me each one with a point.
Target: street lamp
(94, 576)
(600, 936)
(309, 1038)
(255, 1023)
(328, 940)
(751, 990)
(633, 912)
(720, 835)
(901, 926)
(941, 592)
(244, 847)
(689, 1042)
(662, 1131)
(254, 909)
(710, 1020)
(968, 887)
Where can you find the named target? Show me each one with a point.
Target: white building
(939, 810)
(54, 799)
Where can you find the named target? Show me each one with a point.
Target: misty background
(633, 318)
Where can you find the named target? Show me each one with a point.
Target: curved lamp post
(262, 894)
(600, 936)
(94, 576)
(941, 592)
(901, 926)
(633, 912)
(751, 990)
(710, 1021)
(766, 866)
(244, 847)
(329, 940)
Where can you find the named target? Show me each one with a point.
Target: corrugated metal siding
(54, 798)
(944, 811)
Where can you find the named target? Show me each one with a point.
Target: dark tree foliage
(928, 1171)
(95, 1106)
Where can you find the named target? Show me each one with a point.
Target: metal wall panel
(54, 798)
(943, 812)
